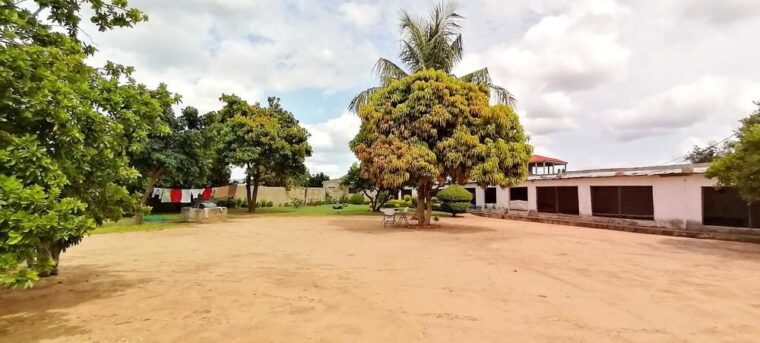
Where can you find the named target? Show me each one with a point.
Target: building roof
(669, 170)
(544, 159)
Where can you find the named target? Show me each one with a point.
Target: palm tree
(434, 42)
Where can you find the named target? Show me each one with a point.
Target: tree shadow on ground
(731, 250)
(376, 227)
(36, 314)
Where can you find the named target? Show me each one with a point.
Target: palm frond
(361, 99)
(414, 43)
(499, 93)
(388, 71)
(456, 48)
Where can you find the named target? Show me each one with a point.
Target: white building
(674, 196)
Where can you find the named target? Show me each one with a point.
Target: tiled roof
(544, 159)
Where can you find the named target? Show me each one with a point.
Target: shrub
(393, 203)
(343, 199)
(297, 202)
(356, 199)
(389, 205)
(455, 199)
(408, 198)
(270, 204)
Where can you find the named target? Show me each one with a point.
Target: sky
(599, 83)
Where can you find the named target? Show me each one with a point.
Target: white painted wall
(677, 199)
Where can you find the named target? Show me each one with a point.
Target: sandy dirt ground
(347, 279)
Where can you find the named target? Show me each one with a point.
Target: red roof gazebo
(543, 165)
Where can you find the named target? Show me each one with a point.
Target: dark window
(725, 207)
(491, 195)
(634, 202)
(474, 196)
(557, 199)
(518, 193)
(405, 192)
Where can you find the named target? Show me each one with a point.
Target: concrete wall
(280, 195)
(677, 199)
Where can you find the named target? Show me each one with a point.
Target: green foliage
(455, 193)
(433, 42)
(354, 180)
(429, 128)
(296, 202)
(267, 142)
(343, 199)
(709, 153)
(315, 180)
(66, 129)
(356, 199)
(397, 203)
(455, 198)
(740, 167)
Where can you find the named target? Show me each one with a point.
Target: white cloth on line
(185, 197)
(166, 195)
(196, 193)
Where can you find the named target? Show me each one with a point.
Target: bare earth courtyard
(347, 279)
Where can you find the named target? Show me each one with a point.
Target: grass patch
(321, 210)
(158, 222)
(152, 223)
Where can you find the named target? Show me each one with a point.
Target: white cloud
(585, 72)
(361, 15)
(707, 99)
(329, 140)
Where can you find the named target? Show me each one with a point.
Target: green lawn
(321, 210)
(169, 221)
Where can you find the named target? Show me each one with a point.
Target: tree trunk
(55, 253)
(255, 196)
(424, 206)
(248, 194)
(428, 207)
(152, 179)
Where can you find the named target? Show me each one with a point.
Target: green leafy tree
(430, 129)
(65, 131)
(354, 180)
(455, 198)
(432, 42)
(267, 142)
(740, 167)
(708, 153)
(178, 156)
(315, 180)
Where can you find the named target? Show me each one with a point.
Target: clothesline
(186, 196)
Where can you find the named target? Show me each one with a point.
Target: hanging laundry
(195, 194)
(206, 195)
(176, 195)
(166, 195)
(156, 192)
(185, 199)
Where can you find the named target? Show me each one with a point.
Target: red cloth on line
(206, 193)
(176, 195)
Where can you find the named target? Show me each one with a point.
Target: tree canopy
(66, 130)
(267, 142)
(432, 42)
(356, 182)
(430, 128)
(315, 180)
(740, 167)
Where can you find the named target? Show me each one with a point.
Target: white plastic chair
(389, 216)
